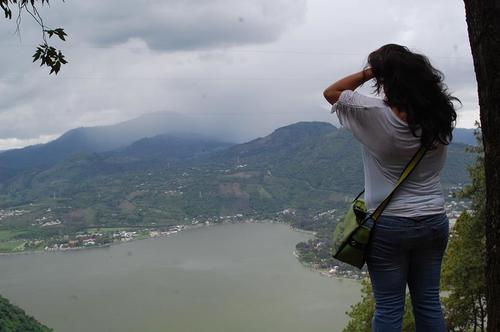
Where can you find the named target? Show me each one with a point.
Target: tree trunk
(483, 21)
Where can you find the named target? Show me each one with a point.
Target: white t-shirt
(388, 145)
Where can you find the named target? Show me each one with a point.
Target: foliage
(463, 273)
(14, 319)
(361, 313)
(48, 55)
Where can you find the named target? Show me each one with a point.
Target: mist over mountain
(100, 139)
(167, 135)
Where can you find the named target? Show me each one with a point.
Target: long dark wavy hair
(414, 86)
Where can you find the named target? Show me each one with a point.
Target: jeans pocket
(440, 229)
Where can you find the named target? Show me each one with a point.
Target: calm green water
(234, 278)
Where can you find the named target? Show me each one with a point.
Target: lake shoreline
(183, 228)
(323, 272)
(187, 227)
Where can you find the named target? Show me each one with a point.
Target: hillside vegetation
(14, 319)
(307, 168)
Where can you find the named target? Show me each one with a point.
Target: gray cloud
(243, 67)
(183, 25)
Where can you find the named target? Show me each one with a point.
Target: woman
(410, 237)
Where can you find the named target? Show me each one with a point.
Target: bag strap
(406, 172)
(417, 157)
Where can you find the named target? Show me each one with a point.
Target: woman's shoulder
(360, 112)
(354, 99)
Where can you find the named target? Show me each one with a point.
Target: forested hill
(323, 155)
(314, 153)
(14, 319)
(307, 166)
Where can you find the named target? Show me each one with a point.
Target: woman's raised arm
(351, 82)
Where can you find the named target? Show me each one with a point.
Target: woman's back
(388, 145)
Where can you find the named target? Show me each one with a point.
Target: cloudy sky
(244, 66)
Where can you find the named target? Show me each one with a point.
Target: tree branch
(46, 54)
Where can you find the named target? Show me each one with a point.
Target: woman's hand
(351, 82)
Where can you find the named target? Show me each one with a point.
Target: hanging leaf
(47, 55)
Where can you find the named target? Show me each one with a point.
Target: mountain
(316, 152)
(96, 139)
(464, 135)
(307, 166)
(82, 141)
(324, 156)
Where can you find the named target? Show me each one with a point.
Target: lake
(231, 277)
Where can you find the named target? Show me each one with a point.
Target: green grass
(9, 243)
(12, 246)
(6, 235)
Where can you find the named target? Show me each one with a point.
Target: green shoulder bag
(352, 234)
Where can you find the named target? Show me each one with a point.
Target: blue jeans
(407, 251)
